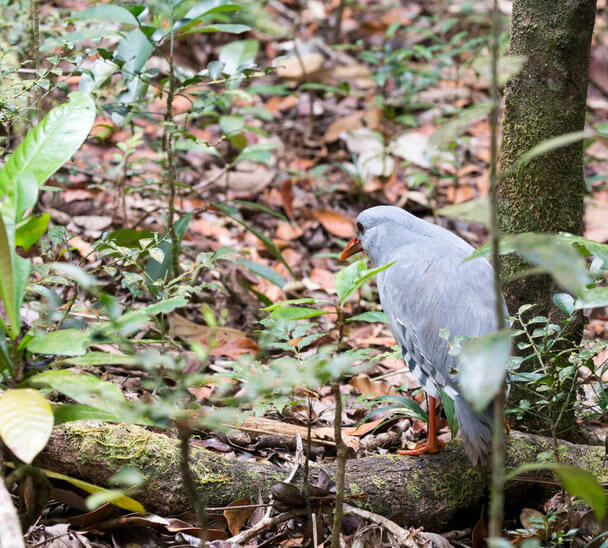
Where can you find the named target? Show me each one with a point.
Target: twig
(265, 523)
(341, 471)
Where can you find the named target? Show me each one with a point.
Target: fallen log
(430, 491)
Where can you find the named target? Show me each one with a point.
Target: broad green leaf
(401, 404)
(576, 481)
(592, 298)
(83, 388)
(30, 230)
(457, 126)
(75, 273)
(553, 144)
(21, 274)
(43, 151)
(65, 342)
(450, 412)
(349, 279)
(473, 211)
(565, 302)
(131, 320)
(156, 270)
(99, 73)
(552, 253)
(296, 313)
(208, 7)
(590, 247)
(27, 422)
(122, 501)
(75, 412)
(283, 304)
(263, 271)
(259, 152)
(482, 367)
(237, 53)
(231, 124)
(107, 12)
(374, 316)
(101, 358)
(508, 66)
(7, 282)
(135, 49)
(229, 28)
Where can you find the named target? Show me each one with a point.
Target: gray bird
(427, 289)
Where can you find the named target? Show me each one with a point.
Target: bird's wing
(430, 289)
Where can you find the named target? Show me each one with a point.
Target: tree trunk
(546, 99)
(431, 491)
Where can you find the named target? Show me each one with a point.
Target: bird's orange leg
(432, 443)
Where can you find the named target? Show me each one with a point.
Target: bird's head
(380, 230)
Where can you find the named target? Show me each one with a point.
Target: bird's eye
(360, 228)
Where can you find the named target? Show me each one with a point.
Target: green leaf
(122, 501)
(283, 304)
(30, 230)
(296, 313)
(75, 273)
(592, 298)
(77, 412)
(208, 7)
(263, 271)
(450, 412)
(373, 316)
(83, 388)
(482, 367)
(7, 282)
(457, 126)
(231, 124)
(135, 49)
(43, 151)
(101, 358)
(552, 253)
(552, 144)
(156, 270)
(65, 342)
(349, 279)
(565, 302)
(576, 481)
(238, 53)
(402, 403)
(229, 28)
(473, 211)
(27, 422)
(259, 152)
(107, 12)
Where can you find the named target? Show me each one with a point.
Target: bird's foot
(429, 446)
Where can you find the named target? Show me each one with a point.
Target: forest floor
(409, 68)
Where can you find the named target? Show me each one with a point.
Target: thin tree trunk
(546, 99)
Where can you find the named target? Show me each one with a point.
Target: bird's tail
(476, 431)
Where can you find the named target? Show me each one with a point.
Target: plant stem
(498, 434)
(340, 473)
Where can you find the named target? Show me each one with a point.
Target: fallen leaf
(92, 222)
(362, 429)
(287, 198)
(84, 248)
(237, 517)
(219, 341)
(288, 231)
(460, 193)
(369, 118)
(76, 194)
(296, 68)
(323, 278)
(367, 386)
(335, 223)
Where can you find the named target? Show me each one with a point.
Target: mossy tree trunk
(546, 99)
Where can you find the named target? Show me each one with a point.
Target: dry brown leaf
(84, 248)
(220, 341)
(461, 193)
(356, 74)
(295, 68)
(279, 104)
(287, 199)
(324, 278)
(288, 231)
(237, 517)
(92, 222)
(335, 223)
(596, 227)
(369, 118)
(362, 429)
(367, 386)
(76, 194)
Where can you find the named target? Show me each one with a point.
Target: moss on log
(432, 491)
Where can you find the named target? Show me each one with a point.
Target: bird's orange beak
(352, 247)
